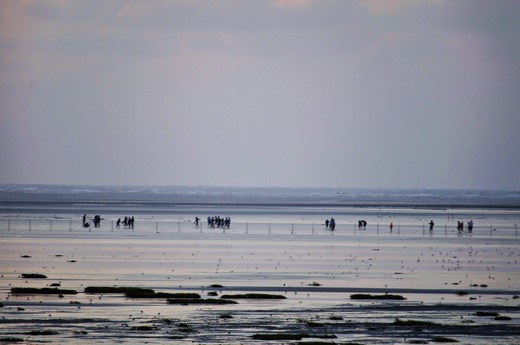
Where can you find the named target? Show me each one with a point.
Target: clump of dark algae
(43, 291)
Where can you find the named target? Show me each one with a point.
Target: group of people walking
(362, 224)
(460, 227)
(96, 221)
(225, 222)
(128, 223)
(330, 224)
(217, 222)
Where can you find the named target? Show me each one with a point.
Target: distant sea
(38, 193)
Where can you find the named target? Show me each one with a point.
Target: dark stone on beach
(115, 289)
(335, 317)
(43, 291)
(443, 340)
(377, 297)
(11, 340)
(487, 313)
(414, 323)
(279, 336)
(253, 296)
(225, 316)
(289, 336)
(178, 295)
(80, 332)
(502, 318)
(185, 328)
(33, 275)
(311, 323)
(43, 332)
(321, 343)
(187, 301)
(144, 328)
(146, 294)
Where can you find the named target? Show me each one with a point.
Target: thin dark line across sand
(322, 289)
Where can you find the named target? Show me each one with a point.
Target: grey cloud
(327, 95)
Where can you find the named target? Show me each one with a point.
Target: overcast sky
(384, 93)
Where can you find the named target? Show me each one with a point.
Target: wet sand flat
(456, 288)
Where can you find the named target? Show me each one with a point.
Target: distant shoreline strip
(375, 204)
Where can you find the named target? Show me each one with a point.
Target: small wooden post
(30, 225)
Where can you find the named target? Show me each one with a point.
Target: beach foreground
(453, 289)
(275, 277)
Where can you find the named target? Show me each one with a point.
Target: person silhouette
(470, 227)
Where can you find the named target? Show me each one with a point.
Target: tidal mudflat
(287, 279)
